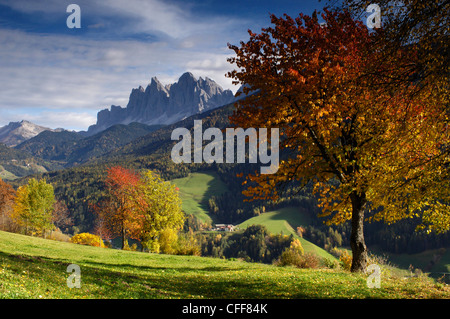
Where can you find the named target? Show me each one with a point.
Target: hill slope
(72, 148)
(36, 268)
(16, 163)
(16, 132)
(286, 220)
(195, 191)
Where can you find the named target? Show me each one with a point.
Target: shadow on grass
(294, 216)
(124, 281)
(135, 281)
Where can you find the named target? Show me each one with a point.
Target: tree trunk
(124, 237)
(359, 249)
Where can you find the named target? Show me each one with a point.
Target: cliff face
(159, 104)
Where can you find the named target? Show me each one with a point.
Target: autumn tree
(162, 212)
(61, 215)
(371, 153)
(7, 194)
(423, 24)
(101, 227)
(119, 210)
(139, 206)
(33, 207)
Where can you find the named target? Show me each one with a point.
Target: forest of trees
(75, 188)
(139, 206)
(254, 244)
(32, 209)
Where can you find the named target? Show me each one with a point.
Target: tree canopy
(7, 194)
(371, 152)
(34, 205)
(139, 206)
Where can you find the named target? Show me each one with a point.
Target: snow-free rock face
(159, 104)
(17, 132)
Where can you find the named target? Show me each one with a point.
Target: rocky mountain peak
(165, 104)
(156, 86)
(17, 132)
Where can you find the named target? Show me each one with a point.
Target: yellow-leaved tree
(33, 207)
(162, 211)
(372, 153)
(140, 206)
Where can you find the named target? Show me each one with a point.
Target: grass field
(6, 175)
(36, 268)
(282, 220)
(196, 189)
(433, 261)
(286, 220)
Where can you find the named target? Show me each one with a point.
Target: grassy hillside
(16, 163)
(6, 175)
(435, 262)
(286, 220)
(196, 189)
(36, 268)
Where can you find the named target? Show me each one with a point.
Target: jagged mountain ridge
(165, 104)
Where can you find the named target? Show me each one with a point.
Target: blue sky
(60, 77)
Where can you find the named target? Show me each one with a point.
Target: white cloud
(68, 120)
(176, 21)
(51, 72)
(68, 74)
(71, 120)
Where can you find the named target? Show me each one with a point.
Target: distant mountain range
(50, 150)
(17, 132)
(31, 148)
(72, 148)
(158, 104)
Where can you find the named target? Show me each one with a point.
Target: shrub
(296, 245)
(290, 257)
(294, 256)
(168, 239)
(344, 257)
(346, 260)
(88, 239)
(310, 260)
(153, 246)
(187, 244)
(58, 235)
(331, 263)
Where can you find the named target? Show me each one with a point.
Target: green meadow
(196, 189)
(33, 267)
(36, 268)
(286, 220)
